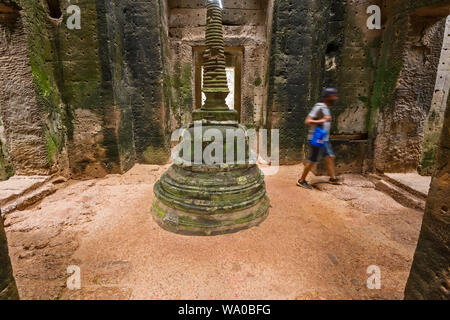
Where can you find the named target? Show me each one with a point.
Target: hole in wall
(8, 15)
(332, 47)
(54, 9)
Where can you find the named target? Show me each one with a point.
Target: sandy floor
(314, 245)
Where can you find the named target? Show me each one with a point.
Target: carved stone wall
(430, 272)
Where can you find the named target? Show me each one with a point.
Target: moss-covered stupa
(199, 197)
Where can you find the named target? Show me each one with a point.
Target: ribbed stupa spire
(215, 84)
(214, 73)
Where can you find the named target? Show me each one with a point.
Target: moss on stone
(428, 161)
(386, 77)
(429, 153)
(156, 155)
(45, 60)
(6, 168)
(158, 211)
(41, 80)
(258, 81)
(8, 288)
(364, 99)
(180, 90)
(51, 146)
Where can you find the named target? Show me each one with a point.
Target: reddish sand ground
(314, 244)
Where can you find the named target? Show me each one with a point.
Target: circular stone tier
(210, 200)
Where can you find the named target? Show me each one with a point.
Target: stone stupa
(200, 198)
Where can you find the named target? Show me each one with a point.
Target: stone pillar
(21, 115)
(404, 89)
(137, 46)
(435, 119)
(430, 273)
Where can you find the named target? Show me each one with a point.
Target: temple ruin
(96, 105)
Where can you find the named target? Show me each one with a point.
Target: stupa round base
(190, 224)
(210, 200)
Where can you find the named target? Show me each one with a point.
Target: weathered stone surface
(18, 186)
(404, 85)
(34, 197)
(227, 267)
(401, 196)
(21, 116)
(351, 54)
(131, 66)
(197, 17)
(300, 33)
(435, 119)
(430, 274)
(413, 182)
(313, 45)
(87, 137)
(210, 203)
(242, 4)
(136, 58)
(350, 156)
(8, 289)
(6, 168)
(99, 69)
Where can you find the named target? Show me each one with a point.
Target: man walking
(320, 116)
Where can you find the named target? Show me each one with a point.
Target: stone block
(350, 155)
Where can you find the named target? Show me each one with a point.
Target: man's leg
(329, 162)
(308, 166)
(314, 153)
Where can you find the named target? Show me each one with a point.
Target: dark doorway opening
(54, 9)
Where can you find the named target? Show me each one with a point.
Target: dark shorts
(315, 153)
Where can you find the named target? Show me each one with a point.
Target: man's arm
(314, 114)
(311, 122)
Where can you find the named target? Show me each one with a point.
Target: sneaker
(337, 181)
(304, 184)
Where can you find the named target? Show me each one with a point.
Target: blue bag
(318, 137)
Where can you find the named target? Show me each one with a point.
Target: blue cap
(329, 92)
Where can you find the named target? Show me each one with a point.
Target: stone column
(430, 273)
